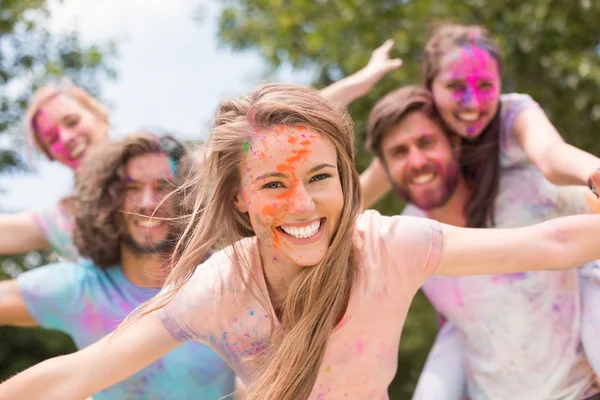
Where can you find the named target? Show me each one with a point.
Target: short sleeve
(512, 105)
(411, 246)
(56, 225)
(52, 293)
(191, 311)
(413, 211)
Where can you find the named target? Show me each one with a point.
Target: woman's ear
(239, 203)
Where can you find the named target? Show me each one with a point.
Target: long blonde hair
(43, 95)
(317, 298)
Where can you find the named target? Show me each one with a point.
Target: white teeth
(469, 116)
(149, 223)
(424, 178)
(304, 232)
(76, 152)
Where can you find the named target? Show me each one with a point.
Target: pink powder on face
(360, 347)
(476, 68)
(50, 134)
(473, 68)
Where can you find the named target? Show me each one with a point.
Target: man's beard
(164, 246)
(433, 201)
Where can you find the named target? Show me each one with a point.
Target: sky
(172, 73)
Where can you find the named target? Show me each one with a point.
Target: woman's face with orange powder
(67, 129)
(292, 192)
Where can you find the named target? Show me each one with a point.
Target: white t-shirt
(520, 333)
(399, 253)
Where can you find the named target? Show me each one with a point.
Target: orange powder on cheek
(274, 209)
(269, 210)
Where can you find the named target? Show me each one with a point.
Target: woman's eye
(319, 177)
(71, 122)
(273, 185)
(455, 86)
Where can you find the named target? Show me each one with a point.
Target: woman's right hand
(350, 88)
(380, 64)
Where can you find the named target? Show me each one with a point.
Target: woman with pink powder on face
(504, 135)
(62, 123)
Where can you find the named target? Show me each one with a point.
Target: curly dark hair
(99, 191)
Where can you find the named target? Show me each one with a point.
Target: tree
(550, 49)
(29, 56)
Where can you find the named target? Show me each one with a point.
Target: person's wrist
(365, 80)
(591, 184)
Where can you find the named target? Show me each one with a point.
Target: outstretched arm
(559, 244)
(12, 306)
(19, 234)
(346, 90)
(105, 363)
(561, 163)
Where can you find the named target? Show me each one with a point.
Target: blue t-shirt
(87, 303)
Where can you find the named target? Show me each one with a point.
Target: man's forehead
(148, 167)
(413, 127)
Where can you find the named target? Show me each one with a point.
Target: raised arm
(12, 306)
(374, 183)
(19, 234)
(559, 244)
(346, 90)
(561, 163)
(103, 364)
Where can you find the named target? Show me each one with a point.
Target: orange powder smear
(269, 210)
(279, 130)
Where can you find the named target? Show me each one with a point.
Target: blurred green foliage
(31, 55)
(550, 49)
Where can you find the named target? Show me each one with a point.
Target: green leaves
(29, 56)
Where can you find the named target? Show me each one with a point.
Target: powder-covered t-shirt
(56, 225)
(360, 361)
(88, 303)
(520, 332)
